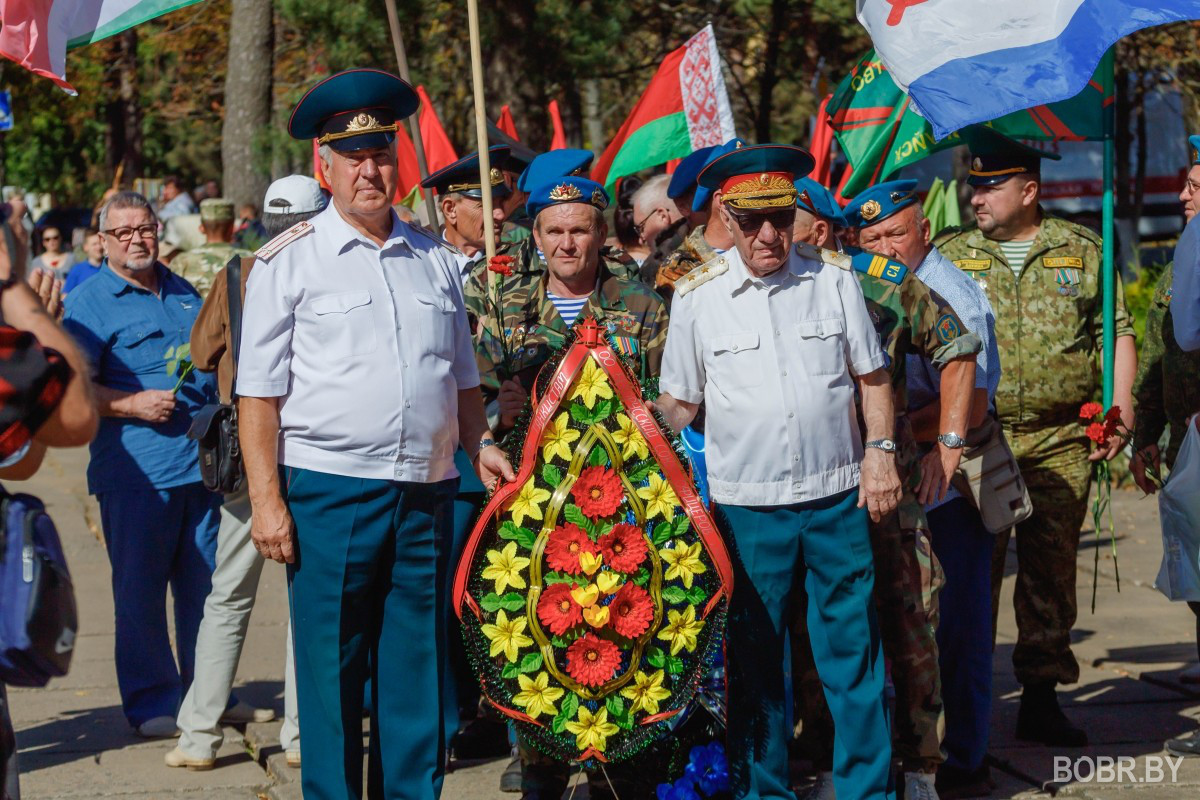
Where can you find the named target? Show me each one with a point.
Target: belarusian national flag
(37, 33)
(684, 108)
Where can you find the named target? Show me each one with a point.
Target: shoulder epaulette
(878, 266)
(431, 236)
(831, 257)
(272, 248)
(715, 266)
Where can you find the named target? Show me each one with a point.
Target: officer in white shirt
(774, 344)
(357, 381)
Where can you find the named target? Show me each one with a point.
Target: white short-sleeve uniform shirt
(367, 346)
(774, 359)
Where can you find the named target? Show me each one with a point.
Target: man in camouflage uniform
(910, 319)
(658, 223)
(1048, 326)
(521, 328)
(200, 265)
(460, 198)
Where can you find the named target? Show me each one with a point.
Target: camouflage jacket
(1167, 388)
(667, 242)
(532, 328)
(200, 265)
(693, 252)
(1049, 318)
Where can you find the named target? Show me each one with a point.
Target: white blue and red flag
(966, 61)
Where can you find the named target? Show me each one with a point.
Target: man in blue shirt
(160, 524)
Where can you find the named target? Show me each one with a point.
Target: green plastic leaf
(510, 671)
(602, 410)
(674, 595)
(681, 524)
(561, 577)
(604, 528)
(662, 532)
(572, 513)
(581, 413)
(566, 712)
(642, 577)
(532, 662)
(674, 665)
(655, 657)
(511, 601)
(551, 475)
(519, 534)
(598, 457)
(696, 595)
(641, 470)
(617, 712)
(560, 641)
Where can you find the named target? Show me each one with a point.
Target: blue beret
(818, 200)
(353, 110)
(877, 203)
(683, 179)
(1194, 141)
(462, 177)
(554, 164)
(703, 195)
(569, 189)
(757, 176)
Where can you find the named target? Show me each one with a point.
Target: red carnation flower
(598, 492)
(564, 547)
(631, 611)
(1113, 415)
(592, 660)
(1098, 433)
(502, 265)
(1090, 410)
(557, 610)
(624, 548)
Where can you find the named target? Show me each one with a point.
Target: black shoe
(510, 780)
(954, 783)
(1041, 720)
(481, 738)
(1185, 746)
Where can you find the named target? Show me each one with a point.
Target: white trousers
(222, 634)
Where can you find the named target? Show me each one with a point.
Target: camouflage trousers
(1053, 461)
(907, 579)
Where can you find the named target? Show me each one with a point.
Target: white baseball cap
(295, 194)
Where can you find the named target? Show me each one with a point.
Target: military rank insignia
(593, 589)
(948, 329)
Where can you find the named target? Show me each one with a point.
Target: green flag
(880, 132)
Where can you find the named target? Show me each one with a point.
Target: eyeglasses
(51, 238)
(1192, 186)
(639, 226)
(125, 235)
(751, 224)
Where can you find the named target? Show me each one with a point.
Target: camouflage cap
(216, 209)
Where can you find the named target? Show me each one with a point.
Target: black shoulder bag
(215, 427)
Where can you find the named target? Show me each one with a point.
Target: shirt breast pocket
(737, 361)
(437, 324)
(346, 324)
(820, 346)
(140, 349)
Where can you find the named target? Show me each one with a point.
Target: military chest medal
(593, 589)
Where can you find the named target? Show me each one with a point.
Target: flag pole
(481, 137)
(1108, 271)
(414, 126)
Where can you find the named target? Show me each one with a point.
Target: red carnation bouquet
(500, 267)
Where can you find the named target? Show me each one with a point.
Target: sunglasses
(752, 223)
(51, 238)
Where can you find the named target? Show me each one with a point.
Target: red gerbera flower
(564, 547)
(1090, 410)
(557, 610)
(598, 492)
(592, 660)
(624, 548)
(631, 611)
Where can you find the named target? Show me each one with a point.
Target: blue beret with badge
(703, 195)
(1194, 142)
(818, 200)
(877, 203)
(356, 109)
(876, 266)
(995, 157)
(683, 179)
(555, 164)
(569, 189)
(462, 177)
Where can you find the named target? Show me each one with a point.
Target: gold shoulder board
(831, 257)
(717, 265)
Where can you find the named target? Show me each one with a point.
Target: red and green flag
(684, 108)
(880, 132)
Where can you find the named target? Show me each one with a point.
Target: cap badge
(362, 122)
(496, 176)
(565, 193)
(977, 164)
(598, 199)
(870, 210)
(764, 179)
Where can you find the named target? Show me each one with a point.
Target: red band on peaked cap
(734, 180)
(784, 159)
(351, 90)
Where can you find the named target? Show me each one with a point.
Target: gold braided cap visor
(361, 123)
(759, 190)
(497, 179)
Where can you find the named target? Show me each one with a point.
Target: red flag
(559, 141)
(822, 145)
(506, 124)
(438, 150)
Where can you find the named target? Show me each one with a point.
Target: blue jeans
(156, 538)
(368, 596)
(964, 636)
(772, 546)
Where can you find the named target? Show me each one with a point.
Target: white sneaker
(292, 757)
(820, 789)
(178, 758)
(243, 713)
(1191, 674)
(158, 728)
(919, 786)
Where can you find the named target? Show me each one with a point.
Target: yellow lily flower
(528, 502)
(681, 629)
(592, 730)
(592, 383)
(507, 636)
(537, 696)
(630, 438)
(505, 568)
(660, 498)
(646, 692)
(684, 562)
(558, 438)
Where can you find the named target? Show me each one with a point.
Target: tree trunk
(593, 123)
(247, 101)
(770, 73)
(124, 113)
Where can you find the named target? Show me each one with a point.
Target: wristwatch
(951, 440)
(484, 443)
(886, 445)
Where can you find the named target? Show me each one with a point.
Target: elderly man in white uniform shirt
(774, 344)
(357, 381)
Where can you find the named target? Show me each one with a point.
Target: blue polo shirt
(125, 333)
(80, 273)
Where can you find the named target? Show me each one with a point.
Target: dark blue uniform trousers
(772, 546)
(157, 538)
(368, 597)
(964, 636)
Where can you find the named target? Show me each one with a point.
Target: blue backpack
(38, 618)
